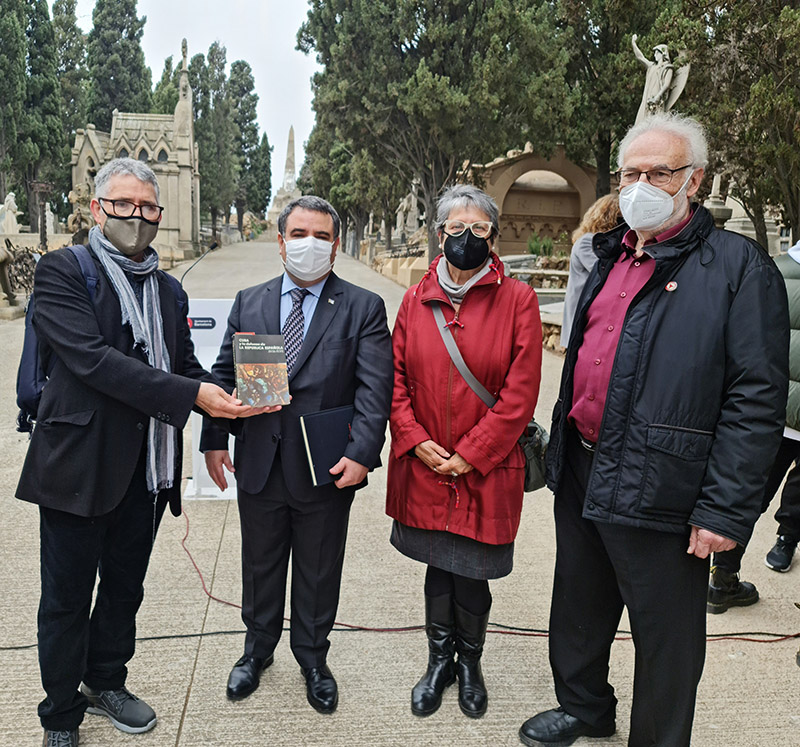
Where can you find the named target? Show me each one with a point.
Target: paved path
(748, 697)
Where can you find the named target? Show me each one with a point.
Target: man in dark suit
(338, 353)
(105, 454)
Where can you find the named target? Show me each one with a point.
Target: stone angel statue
(663, 83)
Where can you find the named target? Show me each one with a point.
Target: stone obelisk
(288, 191)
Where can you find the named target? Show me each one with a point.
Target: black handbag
(534, 439)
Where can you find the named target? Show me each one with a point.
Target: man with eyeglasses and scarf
(671, 409)
(105, 453)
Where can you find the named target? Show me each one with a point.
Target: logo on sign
(202, 322)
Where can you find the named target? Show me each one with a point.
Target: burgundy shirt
(604, 320)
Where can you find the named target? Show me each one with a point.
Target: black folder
(326, 434)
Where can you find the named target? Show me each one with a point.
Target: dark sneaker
(60, 738)
(725, 590)
(124, 709)
(779, 558)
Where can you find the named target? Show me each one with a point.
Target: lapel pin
(331, 301)
(670, 286)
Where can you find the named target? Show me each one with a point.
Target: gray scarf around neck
(455, 292)
(147, 328)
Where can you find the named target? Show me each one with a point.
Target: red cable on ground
(711, 637)
(202, 580)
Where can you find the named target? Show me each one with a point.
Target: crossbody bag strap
(457, 358)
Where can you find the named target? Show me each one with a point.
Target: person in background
(725, 590)
(455, 477)
(602, 216)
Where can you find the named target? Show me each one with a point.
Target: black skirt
(463, 556)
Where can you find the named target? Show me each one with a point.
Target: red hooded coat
(499, 333)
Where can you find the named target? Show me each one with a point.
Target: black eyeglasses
(126, 209)
(657, 177)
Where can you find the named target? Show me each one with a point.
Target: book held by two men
(260, 365)
(262, 381)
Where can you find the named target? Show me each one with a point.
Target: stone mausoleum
(165, 142)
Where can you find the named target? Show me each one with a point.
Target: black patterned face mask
(467, 251)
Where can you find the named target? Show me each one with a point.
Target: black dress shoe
(558, 729)
(321, 689)
(245, 676)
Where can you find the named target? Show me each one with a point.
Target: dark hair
(309, 202)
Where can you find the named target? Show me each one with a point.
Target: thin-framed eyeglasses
(657, 177)
(126, 209)
(481, 229)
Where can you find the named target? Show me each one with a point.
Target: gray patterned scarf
(148, 334)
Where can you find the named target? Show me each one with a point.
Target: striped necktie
(293, 328)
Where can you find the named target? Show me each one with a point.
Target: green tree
(12, 84)
(215, 133)
(117, 71)
(244, 99)
(73, 76)
(41, 140)
(325, 172)
(605, 79)
(745, 89)
(434, 87)
(166, 92)
(260, 190)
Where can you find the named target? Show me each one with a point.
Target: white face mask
(645, 207)
(308, 258)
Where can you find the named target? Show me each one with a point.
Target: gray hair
(309, 202)
(687, 129)
(120, 167)
(466, 195)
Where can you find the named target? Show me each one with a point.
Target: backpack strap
(176, 288)
(90, 274)
(88, 268)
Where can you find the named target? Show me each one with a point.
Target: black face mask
(466, 252)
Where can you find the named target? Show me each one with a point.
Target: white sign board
(208, 318)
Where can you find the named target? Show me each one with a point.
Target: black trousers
(787, 515)
(275, 526)
(600, 568)
(77, 642)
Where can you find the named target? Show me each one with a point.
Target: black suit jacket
(94, 411)
(346, 359)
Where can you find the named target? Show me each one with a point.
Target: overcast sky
(261, 32)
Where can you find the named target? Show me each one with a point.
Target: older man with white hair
(672, 402)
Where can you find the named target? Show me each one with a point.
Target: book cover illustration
(260, 366)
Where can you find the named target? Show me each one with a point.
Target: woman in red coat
(455, 479)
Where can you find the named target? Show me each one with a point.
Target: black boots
(426, 697)
(470, 636)
(725, 590)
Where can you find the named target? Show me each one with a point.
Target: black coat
(697, 396)
(346, 359)
(94, 411)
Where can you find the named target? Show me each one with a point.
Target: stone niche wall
(539, 203)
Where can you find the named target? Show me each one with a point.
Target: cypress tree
(119, 77)
(41, 133)
(12, 84)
